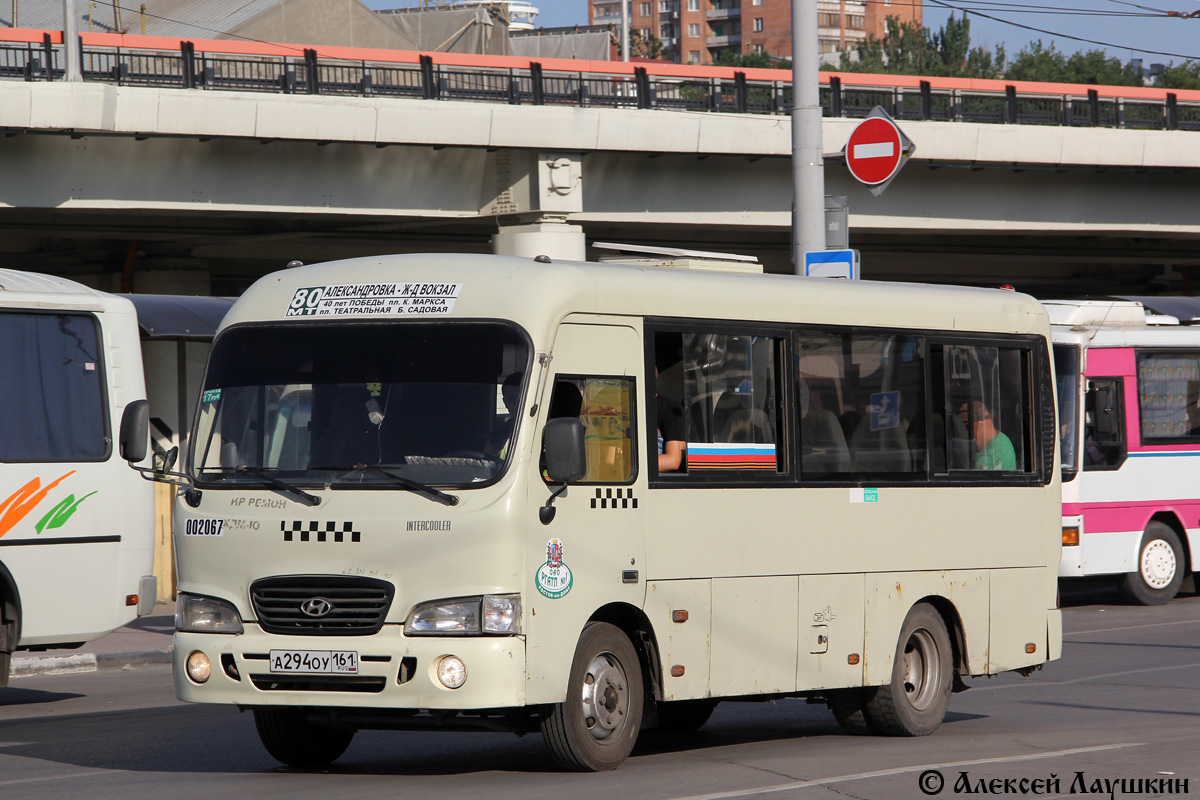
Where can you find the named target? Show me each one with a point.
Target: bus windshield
(332, 404)
(1066, 367)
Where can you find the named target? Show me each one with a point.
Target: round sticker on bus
(554, 577)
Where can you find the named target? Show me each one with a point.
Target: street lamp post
(808, 171)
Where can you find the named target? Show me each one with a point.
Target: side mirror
(1107, 425)
(163, 462)
(134, 438)
(563, 447)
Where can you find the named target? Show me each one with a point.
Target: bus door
(591, 554)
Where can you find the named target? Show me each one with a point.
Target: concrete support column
(555, 238)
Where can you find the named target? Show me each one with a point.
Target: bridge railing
(265, 67)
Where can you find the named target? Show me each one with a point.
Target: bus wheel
(915, 702)
(289, 737)
(595, 728)
(684, 716)
(849, 707)
(10, 634)
(1160, 567)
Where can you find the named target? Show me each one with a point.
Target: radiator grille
(321, 605)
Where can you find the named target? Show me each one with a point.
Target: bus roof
(541, 294)
(32, 290)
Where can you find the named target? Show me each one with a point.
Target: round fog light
(198, 666)
(452, 672)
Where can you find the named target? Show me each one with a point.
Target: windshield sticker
(554, 577)
(360, 299)
(210, 396)
(204, 527)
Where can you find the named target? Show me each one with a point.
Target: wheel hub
(1158, 564)
(605, 698)
(920, 667)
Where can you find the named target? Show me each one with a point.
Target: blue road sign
(831, 264)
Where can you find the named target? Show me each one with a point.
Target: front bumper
(394, 671)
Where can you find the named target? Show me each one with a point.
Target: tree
(763, 60)
(648, 47)
(1184, 76)
(909, 48)
(1038, 63)
(1095, 67)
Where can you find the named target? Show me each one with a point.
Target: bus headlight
(493, 613)
(196, 614)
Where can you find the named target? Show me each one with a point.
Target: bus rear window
(53, 396)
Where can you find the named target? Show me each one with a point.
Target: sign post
(876, 151)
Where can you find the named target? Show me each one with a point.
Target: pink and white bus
(1129, 421)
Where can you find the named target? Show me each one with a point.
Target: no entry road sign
(876, 150)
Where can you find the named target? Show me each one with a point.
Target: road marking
(45, 778)
(1041, 683)
(1132, 627)
(883, 773)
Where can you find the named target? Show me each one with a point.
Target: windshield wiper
(275, 485)
(436, 495)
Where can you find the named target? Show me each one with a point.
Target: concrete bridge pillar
(535, 193)
(556, 239)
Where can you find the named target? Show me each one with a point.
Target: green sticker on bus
(210, 396)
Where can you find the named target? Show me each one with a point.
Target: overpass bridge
(196, 166)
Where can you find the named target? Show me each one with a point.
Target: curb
(88, 662)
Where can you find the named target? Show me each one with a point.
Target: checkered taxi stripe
(614, 498)
(320, 532)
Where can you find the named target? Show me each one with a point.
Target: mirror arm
(172, 478)
(546, 513)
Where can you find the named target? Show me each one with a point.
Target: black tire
(684, 716)
(1160, 567)
(849, 707)
(595, 728)
(290, 738)
(10, 635)
(916, 700)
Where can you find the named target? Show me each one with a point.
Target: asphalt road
(1123, 703)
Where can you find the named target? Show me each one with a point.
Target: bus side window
(862, 405)
(1103, 430)
(731, 401)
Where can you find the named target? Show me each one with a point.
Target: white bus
(76, 525)
(427, 495)
(1129, 411)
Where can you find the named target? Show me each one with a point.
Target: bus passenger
(670, 433)
(994, 450)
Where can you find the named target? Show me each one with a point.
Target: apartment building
(697, 31)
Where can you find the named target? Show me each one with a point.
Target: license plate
(318, 662)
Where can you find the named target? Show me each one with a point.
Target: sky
(1122, 28)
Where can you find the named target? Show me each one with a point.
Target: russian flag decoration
(702, 455)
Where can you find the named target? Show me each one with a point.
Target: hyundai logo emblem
(316, 606)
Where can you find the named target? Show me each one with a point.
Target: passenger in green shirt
(994, 450)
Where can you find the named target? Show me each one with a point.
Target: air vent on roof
(677, 258)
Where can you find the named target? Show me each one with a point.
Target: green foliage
(1184, 76)
(909, 48)
(730, 58)
(1038, 62)
(648, 47)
